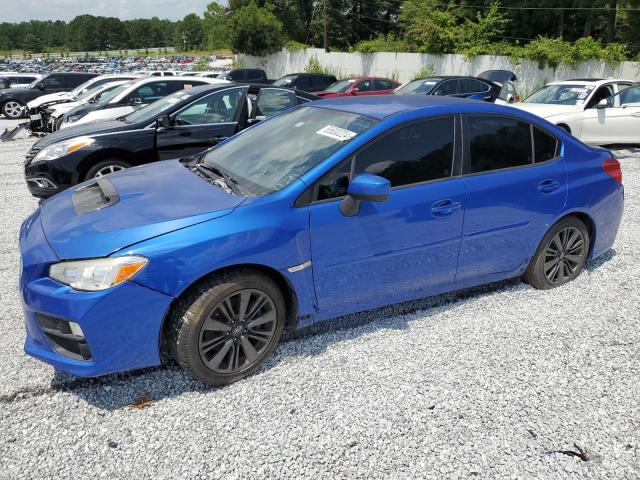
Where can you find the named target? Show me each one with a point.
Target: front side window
(54, 81)
(219, 107)
(272, 101)
(629, 96)
(276, 152)
(416, 153)
(498, 142)
(449, 87)
(365, 86)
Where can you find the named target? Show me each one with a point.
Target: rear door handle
(635, 114)
(445, 207)
(548, 185)
(220, 138)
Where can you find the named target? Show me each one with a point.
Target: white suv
(559, 101)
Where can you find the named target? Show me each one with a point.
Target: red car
(359, 86)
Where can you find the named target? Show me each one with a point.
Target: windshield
(88, 93)
(150, 112)
(285, 81)
(271, 155)
(339, 87)
(417, 87)
(106, 97)
(82, 87)
(560, 94)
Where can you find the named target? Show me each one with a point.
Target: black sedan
(182, 124)
(14, 100)
(456, 86)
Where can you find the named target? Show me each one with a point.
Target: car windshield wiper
(230, 182)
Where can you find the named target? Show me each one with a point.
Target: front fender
(272, 234)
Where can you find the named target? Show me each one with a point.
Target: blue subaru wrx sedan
(330, 208)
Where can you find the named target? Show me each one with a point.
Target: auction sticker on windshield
(336, 133)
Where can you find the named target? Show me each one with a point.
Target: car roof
(589, 81)
(382, 106)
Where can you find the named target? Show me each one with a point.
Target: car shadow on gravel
(140, 388)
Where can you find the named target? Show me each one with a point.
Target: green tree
(428, 28)
(188, 33)
(214, 27)
(255, 31)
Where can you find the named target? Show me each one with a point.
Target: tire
(561, 255)
(13, 109)
(202, 338)
(105, 167)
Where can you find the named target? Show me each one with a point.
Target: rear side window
(546, 147)
(498, 142)
(272, 101)
(471, 85)
(384, 85)
(412, 154)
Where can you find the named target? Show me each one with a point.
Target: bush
(255, 31)
(381, 44)
(294, 46)
(315, 66)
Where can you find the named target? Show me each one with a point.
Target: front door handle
(548, 185)
(636, 114)
(220, 138)
(445, 207)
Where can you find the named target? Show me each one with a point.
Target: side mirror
(164, 122)
(41, 86)
(364, 187)
(603, 103)
(354, 91)
(136, 101)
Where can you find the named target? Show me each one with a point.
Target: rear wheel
(561, 256)
(106, 167)
(225, 330)
(13, 109)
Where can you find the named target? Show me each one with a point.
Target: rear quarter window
(546, 147)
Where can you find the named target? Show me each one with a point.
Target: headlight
(58, 150)
(73, 118)
(97, 274)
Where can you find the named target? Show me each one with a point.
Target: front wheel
(561, 256)
(227, 328)
(13, 109)
(106, 167)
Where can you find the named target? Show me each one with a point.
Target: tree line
(570, 28)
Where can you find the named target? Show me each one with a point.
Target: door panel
(611, 125)
(507, 210)
(390, 251)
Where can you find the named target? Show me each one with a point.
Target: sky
(25, 10)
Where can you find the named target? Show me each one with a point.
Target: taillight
(611, 166)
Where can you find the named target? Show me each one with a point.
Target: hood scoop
(95, 196)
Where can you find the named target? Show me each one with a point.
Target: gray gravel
(495, 383)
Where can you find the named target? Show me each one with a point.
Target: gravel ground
(501, 382)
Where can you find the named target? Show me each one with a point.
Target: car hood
(86, 129)
(51, 97)
(95, 220)
(545, 111)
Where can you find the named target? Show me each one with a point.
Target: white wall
(404, 66)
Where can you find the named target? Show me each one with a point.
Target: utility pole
(326, 38)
